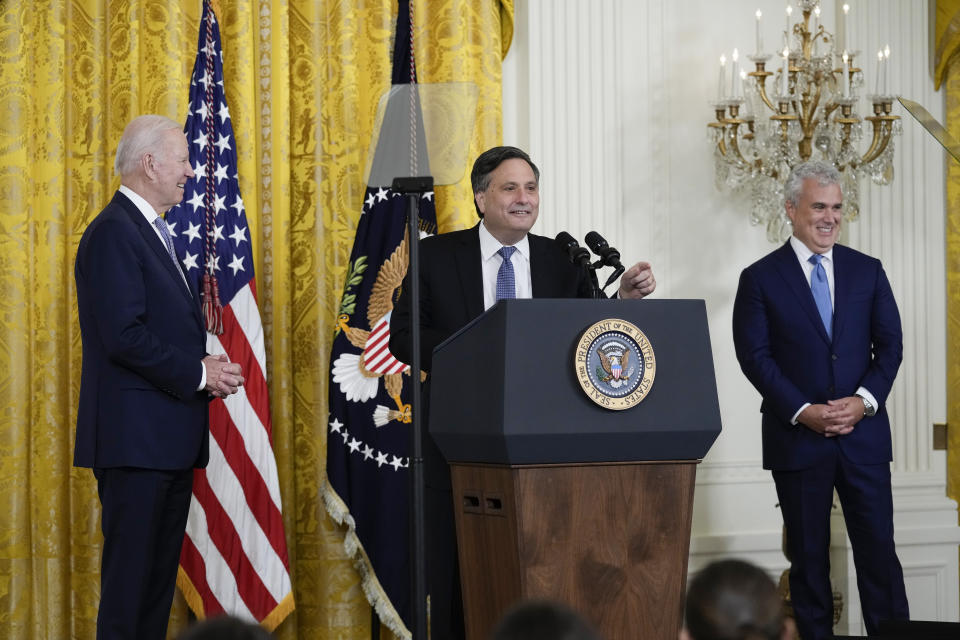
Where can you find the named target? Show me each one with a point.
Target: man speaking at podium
(462, 274)
(817, 332)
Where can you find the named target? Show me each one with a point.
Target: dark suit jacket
(451, 288)
(143, 340)
(784, 351)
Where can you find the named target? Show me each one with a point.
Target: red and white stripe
(235, 552)
(376, 352)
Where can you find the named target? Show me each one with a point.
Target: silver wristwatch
(868, 408)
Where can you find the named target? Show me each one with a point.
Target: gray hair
(142, 135)
(823, 172)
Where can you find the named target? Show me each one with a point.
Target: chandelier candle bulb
(759, 35)
(735, 75)
(784, 82)
(720, 83)
(786, 33)
(843, 26)
(879, 72)
(846, 75)
(886, 67)
(816, 28)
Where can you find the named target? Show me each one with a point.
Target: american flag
(234, 556)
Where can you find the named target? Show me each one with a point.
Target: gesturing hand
(638, 281)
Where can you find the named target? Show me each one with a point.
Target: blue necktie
(506, 283)
(821, 292)
(161, 226)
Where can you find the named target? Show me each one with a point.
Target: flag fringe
(372, 588)
(280, 612)
(190, 594)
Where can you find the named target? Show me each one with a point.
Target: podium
(556, 497)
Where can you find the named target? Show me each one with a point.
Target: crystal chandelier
(811, 103)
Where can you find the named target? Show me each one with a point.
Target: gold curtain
(947, 73)
(302, 80)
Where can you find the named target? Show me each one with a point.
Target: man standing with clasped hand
(146, 381)
(817, 332)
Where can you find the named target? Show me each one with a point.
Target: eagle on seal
(615, 361)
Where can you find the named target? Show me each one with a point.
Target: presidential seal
(614, 363)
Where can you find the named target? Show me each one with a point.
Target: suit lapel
(842, 267)
(793, 275)
(469, 270)
(151, 239)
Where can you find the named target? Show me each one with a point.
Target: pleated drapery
(302, 78)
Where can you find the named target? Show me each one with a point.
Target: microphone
(608, 255)
(569, 245)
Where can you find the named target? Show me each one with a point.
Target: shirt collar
(490, 245)
(803, 251)
(145, 208)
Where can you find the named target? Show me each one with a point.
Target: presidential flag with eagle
(368, 428)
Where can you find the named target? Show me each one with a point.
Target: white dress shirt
(803, 255)
(490, 262)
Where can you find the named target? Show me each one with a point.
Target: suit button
(834, 356)
(831, 389)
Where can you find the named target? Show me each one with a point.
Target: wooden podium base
(609, 540)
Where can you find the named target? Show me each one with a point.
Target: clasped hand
(836, 418)
(223, 377)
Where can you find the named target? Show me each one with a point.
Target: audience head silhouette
(542, 620)
(225, 628)
(734, 600)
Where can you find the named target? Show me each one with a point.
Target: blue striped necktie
(821, 292)
(161, 226)
(506, 281)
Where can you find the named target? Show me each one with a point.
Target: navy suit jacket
(784, 351)
(451, 287)
(143, 340)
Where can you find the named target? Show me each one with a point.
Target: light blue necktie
(821, 292)
(506, 282)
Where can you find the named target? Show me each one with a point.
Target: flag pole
(413, 188)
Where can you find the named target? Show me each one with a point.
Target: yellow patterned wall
(302, 80)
